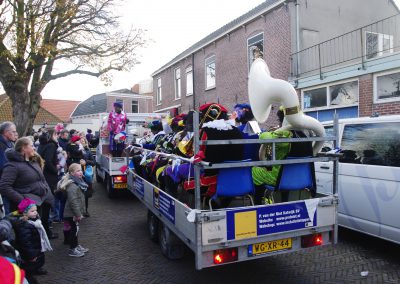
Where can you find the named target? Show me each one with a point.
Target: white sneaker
(76, 253)
(82, 249)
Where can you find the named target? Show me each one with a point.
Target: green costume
(263, 175)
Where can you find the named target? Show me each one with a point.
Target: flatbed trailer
(109, 169)
(237, 234)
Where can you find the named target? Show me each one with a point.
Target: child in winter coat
(31, 238)
(73, 186)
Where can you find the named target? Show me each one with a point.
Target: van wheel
(152, 226)
(110, 191)
(171, 246)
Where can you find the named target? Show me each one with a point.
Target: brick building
(289, 33)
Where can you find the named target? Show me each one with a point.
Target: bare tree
(34, 34)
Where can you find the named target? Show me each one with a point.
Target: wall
(145, 104)
(326, 19)
(231, 64)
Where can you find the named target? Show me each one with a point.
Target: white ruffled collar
(220, 124)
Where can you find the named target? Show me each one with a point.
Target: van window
(328, 145)
(372, 144)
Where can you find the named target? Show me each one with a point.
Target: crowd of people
(43, 177)
(42, 181)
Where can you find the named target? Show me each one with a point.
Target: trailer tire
(171, 246)
(110, 191)
(152, 226)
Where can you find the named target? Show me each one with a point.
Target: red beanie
(75, 138)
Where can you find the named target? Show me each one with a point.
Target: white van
(369, 175)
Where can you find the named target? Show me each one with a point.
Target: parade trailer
(112, 170)
(228, 235)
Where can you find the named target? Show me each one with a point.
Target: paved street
(120, 252)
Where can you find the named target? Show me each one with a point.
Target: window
(135, 107)
(344, 94)
(189, 81)
(315, 98)
(387, 87)
(159, 94)
(255, 47)
(372, 144)
(377, 44)
(336, 95)
(210, 72)
(177, 75)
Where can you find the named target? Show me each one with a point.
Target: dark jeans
(44, 213)
(72, 234)
(59, 204)
(31, 266)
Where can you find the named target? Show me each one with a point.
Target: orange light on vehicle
(119, 179)
(225, 255)
(311, 240)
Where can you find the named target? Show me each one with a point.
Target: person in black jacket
(31, 239)
(23, 177)
(8, 135)
(75, 151)
(89, 160)
(48, 151)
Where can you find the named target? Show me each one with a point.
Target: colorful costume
(116, 124)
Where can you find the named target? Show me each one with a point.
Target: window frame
(189, 70)
(328, 95)
(159, 91)
(248, 47)
(177, 83)
(380, 52)
(137, 104)
(375, 87)
(208, 61)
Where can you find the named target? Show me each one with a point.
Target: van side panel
(369, 176)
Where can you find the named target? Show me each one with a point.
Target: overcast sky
(172, 25)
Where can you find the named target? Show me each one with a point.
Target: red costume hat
(75, 138)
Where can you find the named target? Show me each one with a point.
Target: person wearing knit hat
(31, 238)
(75, 150)
(117, 120)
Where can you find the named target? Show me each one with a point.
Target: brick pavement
(120, 252)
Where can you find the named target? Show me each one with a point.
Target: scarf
(79, 182)
(44, 240)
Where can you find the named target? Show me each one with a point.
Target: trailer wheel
(171, 246)
(110, 191)
(152, 225)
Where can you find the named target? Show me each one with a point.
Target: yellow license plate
(120, 185)
(271, 246)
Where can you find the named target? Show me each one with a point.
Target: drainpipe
(194, 95)
(297, 37)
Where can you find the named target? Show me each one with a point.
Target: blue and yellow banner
(248, 223)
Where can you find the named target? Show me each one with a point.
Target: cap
(206, 106)
(117, 104)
